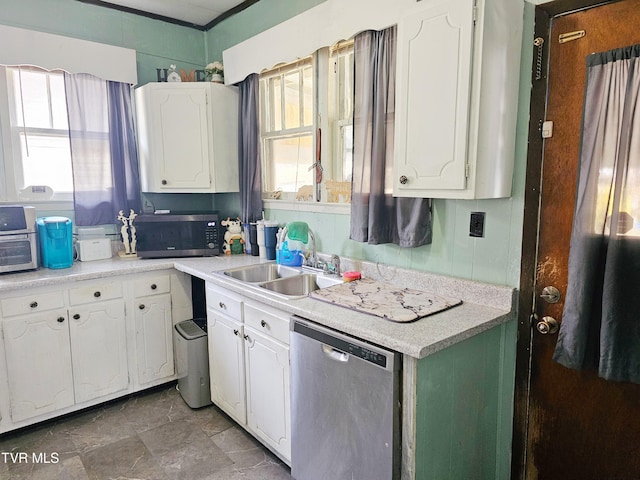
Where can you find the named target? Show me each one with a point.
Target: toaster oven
(18, 243)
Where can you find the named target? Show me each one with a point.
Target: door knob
(550, 294)
(547, 325)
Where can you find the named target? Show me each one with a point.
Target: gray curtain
(376, 216)
(249, 154)
(601, 319)
(104, 156)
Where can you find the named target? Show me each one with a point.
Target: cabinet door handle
(222, 305)
(76, 316)
(235, 332)
(404, 180)
(264, 324)
(164, 182)
(247, 338)
(153, 286)
(60, 319)
(141, 306)
(97, 294)
(33, 304)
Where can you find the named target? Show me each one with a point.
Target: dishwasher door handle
(335, 354)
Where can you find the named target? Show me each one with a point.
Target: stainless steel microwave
(18, 242)
(178, 235)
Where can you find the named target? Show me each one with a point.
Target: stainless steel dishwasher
(345, 406)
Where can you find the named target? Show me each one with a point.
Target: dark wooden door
(578, 425)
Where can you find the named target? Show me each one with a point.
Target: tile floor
(149, 436)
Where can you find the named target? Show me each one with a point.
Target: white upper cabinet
(456, 98)
(188, 137)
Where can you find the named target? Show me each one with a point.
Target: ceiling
(200, 14)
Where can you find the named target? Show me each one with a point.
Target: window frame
(331, 143)
(11, 147)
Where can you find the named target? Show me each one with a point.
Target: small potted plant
(215, 72)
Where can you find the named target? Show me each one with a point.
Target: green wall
(158, 44)
(464, 406)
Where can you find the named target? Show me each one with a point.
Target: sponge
(298, 231)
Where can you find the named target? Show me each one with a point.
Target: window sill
(319, 207)
(43, 205)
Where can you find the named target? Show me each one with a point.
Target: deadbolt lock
(551, 294)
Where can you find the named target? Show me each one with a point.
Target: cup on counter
(262, 251)
(270, 239)
(252, 240)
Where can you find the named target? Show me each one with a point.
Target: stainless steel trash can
(192, 359)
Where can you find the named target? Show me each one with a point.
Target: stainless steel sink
(262, 273)
(283, 281)
(293, 286)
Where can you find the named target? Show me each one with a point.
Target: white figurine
(132, 230)
(124, 232)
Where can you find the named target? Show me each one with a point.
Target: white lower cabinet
(38, 358)
(226, 365)
(154, 341)
(81, 343)
(267, 376)
(99, 349)
(249, 366)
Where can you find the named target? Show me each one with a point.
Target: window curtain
(249, 155)
(376, 216)
(104, 156)
(601, 319)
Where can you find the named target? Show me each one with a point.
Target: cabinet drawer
(32, 303)
(152, 285)
(221, 300)
(270, 321)
(95, 293)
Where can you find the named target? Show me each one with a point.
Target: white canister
(261, 247)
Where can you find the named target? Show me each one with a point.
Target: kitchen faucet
(312, 261)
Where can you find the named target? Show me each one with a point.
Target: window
(287, 125)
(297, 101)
(40, 151)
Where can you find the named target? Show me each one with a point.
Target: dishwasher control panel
(341, 343)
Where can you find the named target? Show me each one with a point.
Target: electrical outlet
(476, 225)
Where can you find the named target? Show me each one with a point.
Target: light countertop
(484, 305)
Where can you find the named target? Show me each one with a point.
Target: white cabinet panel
(188, 137)
(38, 363)
(226, 365)
(268, 405)
(35, 303)
(433, 89)
(154, 341)
(457, 98)
(99, 349)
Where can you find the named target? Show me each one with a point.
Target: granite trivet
(384, 300)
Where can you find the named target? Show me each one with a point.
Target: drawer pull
(97, 294)
(264, 324)
(222, 305)
(60, 319)
(33, 304)
(154, 286)
(141, 306)
(76, 316)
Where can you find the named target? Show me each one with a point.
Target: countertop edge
(417, 339)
